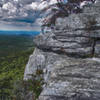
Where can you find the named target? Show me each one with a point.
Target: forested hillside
(12, 44)
(14, 54)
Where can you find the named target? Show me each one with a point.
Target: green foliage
(20, 90)
(12, 69)
(23, 88)
(36, 83)
(13, 44)
(14, 54)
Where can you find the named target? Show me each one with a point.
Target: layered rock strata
(69, 57)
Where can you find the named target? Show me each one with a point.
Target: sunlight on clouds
(23, 11)
(10, 8)
(34, 5)
(53, 2)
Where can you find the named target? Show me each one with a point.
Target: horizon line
(22, 30)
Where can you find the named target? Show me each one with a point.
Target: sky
(22, 14)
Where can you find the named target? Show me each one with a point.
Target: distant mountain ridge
(19, 32)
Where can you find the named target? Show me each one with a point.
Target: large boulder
(66, 54)
(74, 35)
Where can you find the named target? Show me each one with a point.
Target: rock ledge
(67, 57)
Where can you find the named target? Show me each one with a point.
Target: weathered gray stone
(74, 34)
(59, 53)
(97, 48)
(36, 61)
(93, 8)
(73, 79)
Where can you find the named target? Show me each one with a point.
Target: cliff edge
(69, 56)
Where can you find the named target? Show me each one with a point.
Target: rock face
(67, 54)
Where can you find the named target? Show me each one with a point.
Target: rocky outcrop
(67, 54)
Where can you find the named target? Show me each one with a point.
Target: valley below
(14, 54)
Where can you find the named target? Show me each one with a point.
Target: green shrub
(23, 88)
